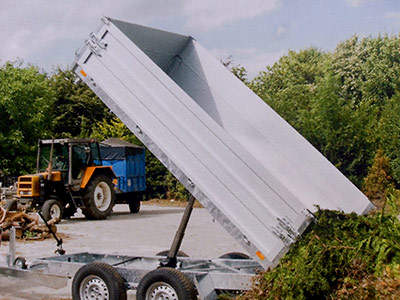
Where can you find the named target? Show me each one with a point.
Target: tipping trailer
(257, 176)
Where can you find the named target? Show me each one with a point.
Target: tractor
(70, 175)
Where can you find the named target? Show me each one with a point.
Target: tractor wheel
(99, 198)
(134, 206)
(52, 209)
(166, 283)
(98, 280)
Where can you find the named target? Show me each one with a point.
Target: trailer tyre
(230, 294)
(52, 209)
(99, 198)
(166, 283)
(20, 263)
(235, 255)
(179, 254)
(98, 280)
(134, 206)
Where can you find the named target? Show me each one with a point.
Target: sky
(255, 33)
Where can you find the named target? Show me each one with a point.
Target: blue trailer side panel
(136, 171)
(129, 168)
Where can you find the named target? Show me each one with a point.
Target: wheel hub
(161, 291)
(94, 288)
(55, 212)
(102, 196)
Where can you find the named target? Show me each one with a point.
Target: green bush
(336, 252)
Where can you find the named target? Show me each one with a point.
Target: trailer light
(260, 255)
(83, 73)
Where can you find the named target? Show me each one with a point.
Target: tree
(26, 100)
(378, 183)
(339, 131)
(369, 68)
(389, 134)
(290, 84)
(237, 70)
(76, 109)
(345, 103)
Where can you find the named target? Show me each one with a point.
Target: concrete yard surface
(146, 233)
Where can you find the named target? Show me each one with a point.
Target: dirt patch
(170, 203)
(60, 235)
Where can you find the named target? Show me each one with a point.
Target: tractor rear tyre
(98, 280)
(166, 283)
(52, 209)
(99, 198)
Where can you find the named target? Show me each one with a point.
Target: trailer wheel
(20, 263)
(134, 206)
(11, 205)
(99, 198)
(231, 294)
(98, 280)
(235, 255)
(166, 283)
(165, 253)
(52, 209)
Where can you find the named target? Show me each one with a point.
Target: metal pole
(59, 250)
(180, 233)
(10, 257)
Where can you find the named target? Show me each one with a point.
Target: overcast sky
(255, 32)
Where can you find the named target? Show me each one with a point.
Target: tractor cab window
(59, 157)
(80, 160)
(96, 160)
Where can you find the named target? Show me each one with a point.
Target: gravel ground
(146, 233)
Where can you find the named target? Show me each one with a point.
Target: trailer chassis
(208, 277)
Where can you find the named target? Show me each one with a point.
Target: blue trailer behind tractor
(128, 163)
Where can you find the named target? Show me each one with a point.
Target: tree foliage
(378, 184)
(388, 130)
(77, 110)
(340, 256)
(26, 104)
(345, 103)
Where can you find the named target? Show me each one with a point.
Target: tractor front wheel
(52, 210)
(98, 198)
